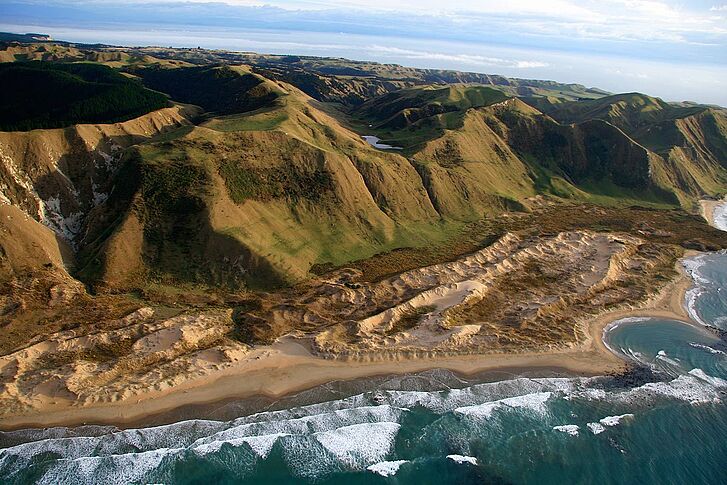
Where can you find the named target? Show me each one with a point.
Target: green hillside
(630, 112)
(273, 183)
(690, 141)
(409, 117)
(219, 89)
(260, 198)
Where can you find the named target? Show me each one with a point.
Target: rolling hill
(690, 140)
(275, 180)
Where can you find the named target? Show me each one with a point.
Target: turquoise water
(665, 422)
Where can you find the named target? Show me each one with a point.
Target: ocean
(665, 422)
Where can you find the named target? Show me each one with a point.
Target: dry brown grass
(674, 227)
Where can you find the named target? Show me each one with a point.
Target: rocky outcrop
(58, 176)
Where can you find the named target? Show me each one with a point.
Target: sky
(673, 49)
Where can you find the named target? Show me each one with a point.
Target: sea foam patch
(386, 468)
(360, 445)
(461, 459)
(571, 429)
(535, 402)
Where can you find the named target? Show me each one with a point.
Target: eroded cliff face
(58, 176)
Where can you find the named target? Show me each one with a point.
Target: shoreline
(287, 368)
(708, 208)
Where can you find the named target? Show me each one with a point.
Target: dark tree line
(53, 95)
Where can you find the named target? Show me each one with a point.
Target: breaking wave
(358, 433)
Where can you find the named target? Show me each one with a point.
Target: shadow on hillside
(179, 244)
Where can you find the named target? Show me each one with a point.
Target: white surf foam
(615, 420)
(706, 348)
(111, 470)
(714, 381)
(535, 402)
(463, 459)
(596, 428)
(260, 445)
(663, 357)
(693, 266)
(571, 429)
(691, 297)
(307, 424)
(719, 216)
(386, 468)
(360, 445)
(446, 401)
(684, 388)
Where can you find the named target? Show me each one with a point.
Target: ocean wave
(353, 447)
(719, 216)
(571, 429)
(684, 388)
(668, 364)
(535, 402)
(708, 283)
(348, 434)
(112, 470)
(260, 445)
(713, 381)
(307, 424)
(386, 468)
(692, 296)
(360, 445)
(706, 348)
(609, 421)
(447, 401)
(615, 420)
(461, 459)
(637, 357)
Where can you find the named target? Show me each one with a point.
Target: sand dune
(146, 363)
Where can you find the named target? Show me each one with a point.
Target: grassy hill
(411, 116)
(49, 95)
(256, 199)
(691, 141)
(275, 180)
(259, 198)
(219, 89)
(630, 111)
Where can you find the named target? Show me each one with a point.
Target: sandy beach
(708, 208)
(287, 367)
